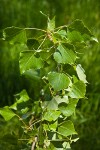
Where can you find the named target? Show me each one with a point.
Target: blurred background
(26, 13)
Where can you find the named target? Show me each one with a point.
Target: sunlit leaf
(51, 126)
(60, 99)
(6, 113)
(75, 36)
(51, 24)
(23, 96)
(51, 115)
(78, 90)
(58, 81)
(81, 73)
(68, 109)
(64, 55)
(66, 128)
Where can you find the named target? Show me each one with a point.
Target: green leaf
(29, 61)
(75, 36)
(80, 72)
(62, 33)
(79, 26)
(32, 43)
(51, 24)
(52, 105)
(78, 90)
(7, 113)
(58, 81)
(60, 99)
(51, 115)
(66, 128)
(50, 126)
(23, 96)
(68, 109)
(64, 55)
(15, 35)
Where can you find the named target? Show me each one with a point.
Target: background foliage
(26, 14)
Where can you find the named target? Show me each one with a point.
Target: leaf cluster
(50, 61)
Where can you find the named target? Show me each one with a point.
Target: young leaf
(15, 35)
(7, 113)
(80, 72)
(23, 96)
(29, 61)
(66, 128)
(62, 33)
(64, 55)
(51, 24)
(50, 126)
(78, 90)
(58, 81)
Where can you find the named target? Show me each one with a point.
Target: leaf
(58, 81)
(20, 98)
(50, 126)
(79, 26)
(7, 113)
(51, 115)
(15, 35)
(51, 24)
(52, 105)
(80, 72)
(60, 99)
(75, 36)
(62, 33)
(66, 128)
(23, 96)
(78, 90)
(32, 43)
(68, 109)
(29, 61)
(64, 55)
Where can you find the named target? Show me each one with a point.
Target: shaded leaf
(15, 35)
(29, 61)
(79, 26)
(66, 128)
(58, 81)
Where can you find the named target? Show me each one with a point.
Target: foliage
(51, 61)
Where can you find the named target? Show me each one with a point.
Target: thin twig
(35, 29)
(34, 143)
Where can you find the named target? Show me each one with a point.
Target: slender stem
(42, 43)
(22, 120)
(35, 29)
